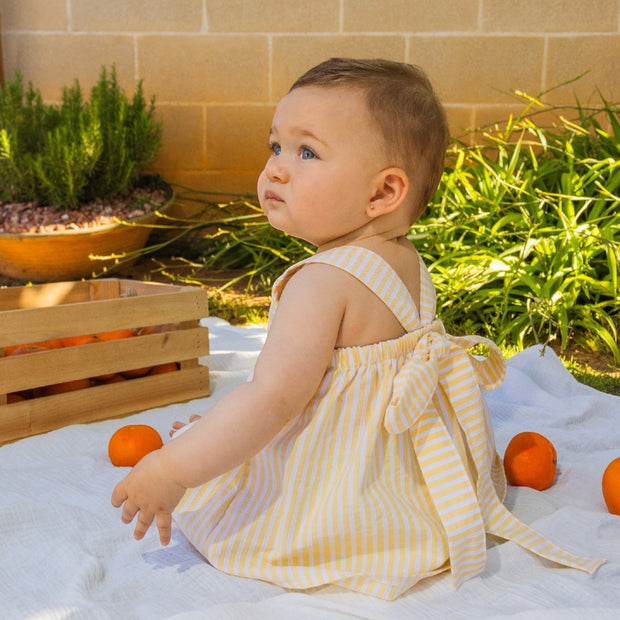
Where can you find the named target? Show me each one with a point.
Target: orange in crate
(116, 334)
(62, 388)
(76, 341)
(17, 349)
(160, 369)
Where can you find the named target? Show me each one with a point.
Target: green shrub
(76, 151)
(522, 236)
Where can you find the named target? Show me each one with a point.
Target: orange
(111, 378)
(163, 368)
(105, 378)
(20, 349)
(611, 486)
(130, 443)
(116, 334)
(530, 460)
(45, 344)
(73, 341)
(61, 388)
(136, 372)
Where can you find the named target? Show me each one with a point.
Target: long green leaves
(522, 236)
(232, 236)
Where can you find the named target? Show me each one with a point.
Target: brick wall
(218, 67)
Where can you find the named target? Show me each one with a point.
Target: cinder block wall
(218, 67)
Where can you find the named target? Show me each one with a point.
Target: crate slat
(32, 370)
(47, 413)
(75, 319)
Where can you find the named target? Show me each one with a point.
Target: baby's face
(325, 154)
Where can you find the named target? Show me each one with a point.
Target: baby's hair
(407, 111)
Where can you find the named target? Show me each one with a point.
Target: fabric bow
(440, 364)
(430, 362)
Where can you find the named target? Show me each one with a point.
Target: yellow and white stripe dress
(388, 476)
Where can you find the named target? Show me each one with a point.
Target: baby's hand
(150, 494)
(179, 425)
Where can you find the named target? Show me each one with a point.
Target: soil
(30, 217)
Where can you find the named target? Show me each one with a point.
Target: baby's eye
(307, 153)
(275, 148)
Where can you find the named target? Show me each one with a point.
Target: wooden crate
(52, 311)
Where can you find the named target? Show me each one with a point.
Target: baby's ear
(392, 185)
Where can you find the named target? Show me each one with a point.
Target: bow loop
(490, 371)
(417, 380)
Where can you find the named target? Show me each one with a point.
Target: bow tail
(452, 493)
(499, 521)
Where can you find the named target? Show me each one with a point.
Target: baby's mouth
(269, 195)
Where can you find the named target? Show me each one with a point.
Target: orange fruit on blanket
(530, 460)
(611, 486)
(130, 443)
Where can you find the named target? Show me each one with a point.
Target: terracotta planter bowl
(65, 255)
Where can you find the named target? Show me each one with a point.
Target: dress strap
(377, 274)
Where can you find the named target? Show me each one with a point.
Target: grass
(238, 310)
(599, 380)
(522, 237)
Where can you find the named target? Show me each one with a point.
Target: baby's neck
(372, 237)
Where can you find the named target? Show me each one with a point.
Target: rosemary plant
(76, 151)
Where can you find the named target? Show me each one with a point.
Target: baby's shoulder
(319, 278)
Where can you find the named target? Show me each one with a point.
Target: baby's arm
(296, 354)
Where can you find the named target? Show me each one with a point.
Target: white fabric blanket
(64, 552)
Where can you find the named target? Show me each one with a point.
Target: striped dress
(389, 474)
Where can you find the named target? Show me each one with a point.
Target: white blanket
(64, 552)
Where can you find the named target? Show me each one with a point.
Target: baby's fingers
(119, 495)
(177, 425)
(143, 522)
(164, 525)
(129, 511)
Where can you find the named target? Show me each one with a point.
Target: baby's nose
(276, 170)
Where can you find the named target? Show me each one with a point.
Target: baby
(360, 452)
